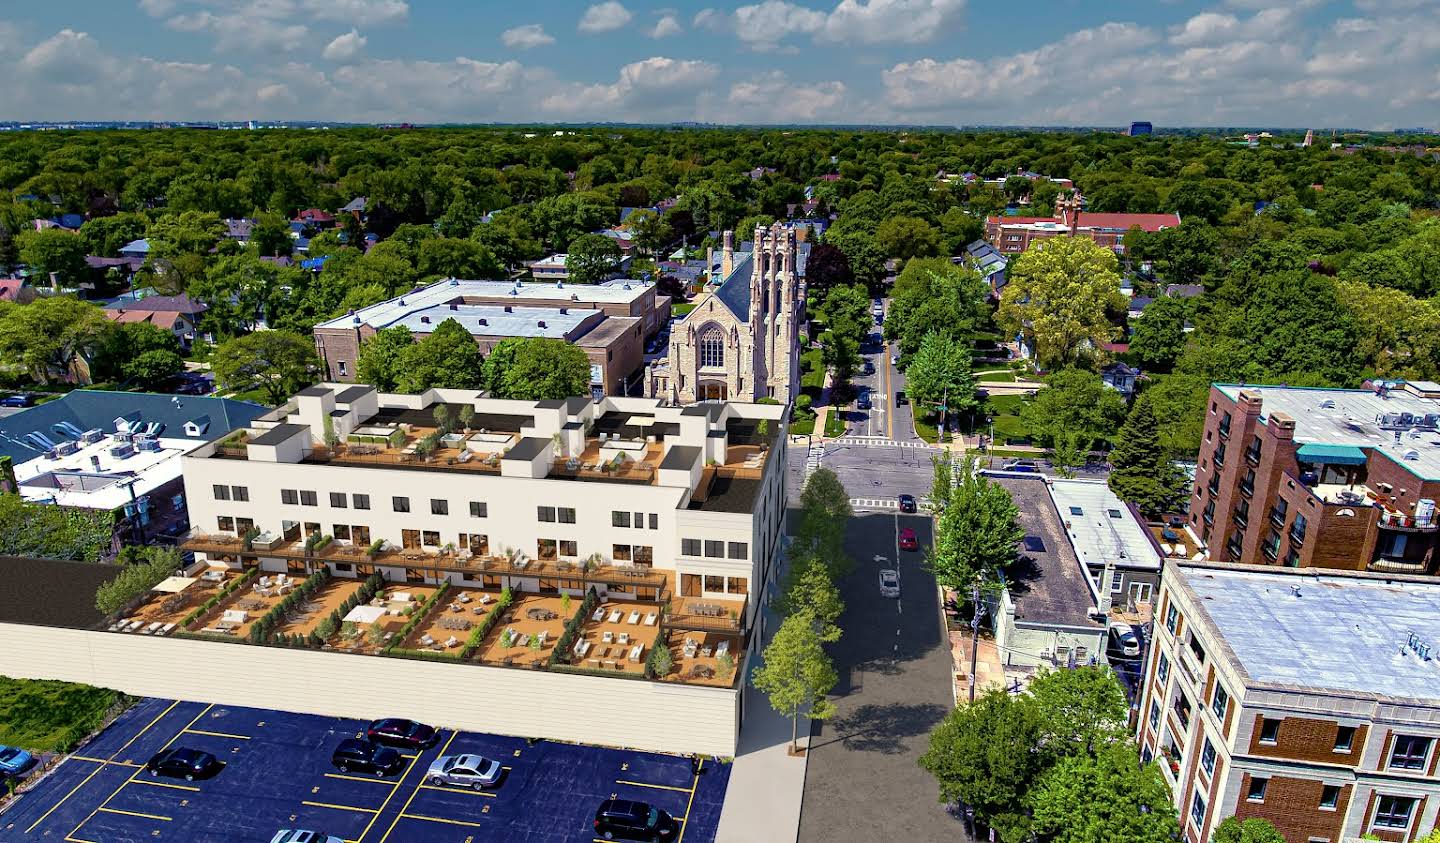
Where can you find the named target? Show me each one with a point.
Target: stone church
(742, 340)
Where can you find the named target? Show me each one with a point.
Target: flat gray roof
(1340, 633)
(528, 448)
(277, 434)
(1101, 527)
(495, 320)
(1349, 417)
(443, 292)
(680, 456)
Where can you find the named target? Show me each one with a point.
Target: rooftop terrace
(464, 292)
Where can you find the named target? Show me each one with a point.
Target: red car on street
(908, 540)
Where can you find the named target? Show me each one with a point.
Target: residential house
(1121, 377)
(178, 314)
(16, 290)
(135, 250)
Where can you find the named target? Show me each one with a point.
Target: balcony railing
(1224, 431)
(1297, 537)
(1271, 550)
(1399, 521)
(1277, 517)
(702, 623)
(1252, 456)
(1247, 489)
(1208, 515)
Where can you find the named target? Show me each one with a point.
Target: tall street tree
(382, 358)
(1074, 402)
(809, 590)
(1141, 471)
(824, 511)
(1103, 798)
(939, 377)
(592, 258)
(275, 363)
(1057, 297)
(448, 358)
(977, 536)
(797, 674)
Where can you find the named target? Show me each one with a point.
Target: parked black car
(183, 763)
(406, 734)
(901, 398)
(356, 756)
(621, 819)
(863, 402)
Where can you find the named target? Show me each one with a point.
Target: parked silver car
(475, 771)
(302, 836)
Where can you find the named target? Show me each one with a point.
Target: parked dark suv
(356, 756)
(621, 819)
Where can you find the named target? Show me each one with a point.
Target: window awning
(1331, 454)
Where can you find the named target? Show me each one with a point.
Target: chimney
(425, 320)
(509, 309)
(727, 254)
(541, 323)
(1282, 426)
(1250, 404)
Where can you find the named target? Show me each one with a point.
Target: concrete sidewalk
(767, 785)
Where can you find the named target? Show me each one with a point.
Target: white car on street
(889, 583)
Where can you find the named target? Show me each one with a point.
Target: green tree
(499, 361)
(810, 591)
(797, 674)
(54, 532)
(275, 363)
(942, 482)
(940, 373)
(651, 231)
(1142, 472)
(154, 564)
(820, 529)
(152, 369)
(978, 534)
(1103, 798)
(54, 250)
(43, 336)
(987, 755)
(1084, 709)
(862, 253)
(545, 368)
(846, 314)
(104, 236)
(1056, 299)
(1253, 830)
(121, 345)
(382, 358)
(1159, 334)
(1066, 453)
(934, 296)
(907, 237)
(455, 258)
(592, 258)
(1077, 402)
(448, 358)
(1178, 402)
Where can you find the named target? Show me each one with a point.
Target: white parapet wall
(657, 716)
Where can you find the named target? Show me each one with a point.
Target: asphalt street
(884, 419)
(863, 780)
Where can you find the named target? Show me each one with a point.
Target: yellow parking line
(441, 820)
(217, 734)
(395, 783)
(691, 801)
(166, 784)
(87, 779)
(134, 814)
(104, 761)
(72, 839)
(656, 786)
(406, 806)
(117, 790)
(465, 790)
(342, 807)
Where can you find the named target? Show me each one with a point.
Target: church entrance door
(712, 391)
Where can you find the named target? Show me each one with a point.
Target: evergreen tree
(1141, 472)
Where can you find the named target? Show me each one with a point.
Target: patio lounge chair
(723, 649)
(625, 639)
(451, 642)
(599, 615)
(650, 619)
(636, 652)
(634, 617)
(427, 640)
(153, 628)
(615, 616)
(608, 637)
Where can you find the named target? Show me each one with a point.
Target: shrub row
(483, 628)
(234, 585)
(563, 647)
(424, 655)
(261, 629)
(415, 619)
(590, 671)
(331, 625)
(659, 663)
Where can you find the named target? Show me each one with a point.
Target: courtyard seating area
(617, 635)
(705, 658)
(527, 633)
(447, 627)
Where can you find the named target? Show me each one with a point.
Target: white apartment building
(640, 501)
(1310, 701)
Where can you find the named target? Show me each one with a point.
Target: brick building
(609, 321)
(1324, 478)
(1013, 235)
(1311, 702)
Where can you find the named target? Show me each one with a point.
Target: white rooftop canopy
(173, 585)
(365, 615)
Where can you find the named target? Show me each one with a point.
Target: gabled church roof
(734, 293)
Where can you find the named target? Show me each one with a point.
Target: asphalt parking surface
(277, 775)
(863, 781)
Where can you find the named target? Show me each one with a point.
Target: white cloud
(766, 24)
(892, 21)
(666, 27)
(655, 88)
(773, 98)
(358, 12)
(238, 32)
(605, 17)
(345, 47)
(526, 37)
(270, 24)
(711, 19)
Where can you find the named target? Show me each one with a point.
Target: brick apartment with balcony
(1322, 478)
(1311, 702)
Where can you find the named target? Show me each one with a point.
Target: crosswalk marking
(874, 503)
(881, 442)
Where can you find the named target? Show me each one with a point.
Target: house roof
(1112, 222)
(87, 409)
(1104, 529)
(1184, 291)
(172, 304)
(160, 318)
(734, 291)
(1048, 584)
(139, 247)
(359, 203)
(10, 287)
(239, 229)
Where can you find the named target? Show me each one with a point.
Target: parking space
(277, 774)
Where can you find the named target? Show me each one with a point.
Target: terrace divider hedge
(331, 625)
(659, 663)
(590, 671)
(261, 630)
(477, 635)
(566, 643)
(234, 585)
(419, 615)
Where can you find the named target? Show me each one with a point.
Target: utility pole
(975, 635)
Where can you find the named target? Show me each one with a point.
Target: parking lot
(278, 775)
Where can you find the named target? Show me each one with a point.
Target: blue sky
(1368, 63)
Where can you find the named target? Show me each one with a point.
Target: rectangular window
(430, 538)
(439, 506)
(1117, 585)
(1409, 752)
(1154, 714)
(1394, 812)
(1344, 738)
(1207, 757)
(620, 553)
(1329, 797)
(644, 555)
(1162, 670)
(546, 549)
(400, 504)
(1219, 701)
(545, 513)
(654, 520)
(227, 524)
(309, 498)
(360, 501)
(341, 365)
(289, 496)
(714, 549)
(739, 550)
(714, 583)
(737, 585)
(479, 509)
(1256, 791)
(337, 500)
(1171, 617)
(690, 547)
(241, 493)
(569, 548)
(222, 492)
(619, 519)
(638, 520)
(1197, 811)
(341, 531)
(567, 515)
(1269, 731)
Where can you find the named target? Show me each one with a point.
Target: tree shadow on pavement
(882, 728)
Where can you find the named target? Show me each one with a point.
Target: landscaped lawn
(678, 310)
(834, 425)
(45, 716)
(1005, 412)
(812, 370)
(996, 376)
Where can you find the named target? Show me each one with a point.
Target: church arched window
(712, 348)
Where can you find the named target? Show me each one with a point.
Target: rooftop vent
(1327, 404)
(564, 311)
(1295, 590)
(1412, 454)
(425, 320)
(509, 309)
(355, 321)
(454, 306)
(402, 302)
(574, 297)
(454, 282)
(483, 321)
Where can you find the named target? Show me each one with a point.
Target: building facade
(742, 339)
(1323, 478)
(610, 322)
(1310, 702)
(1013, 235)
